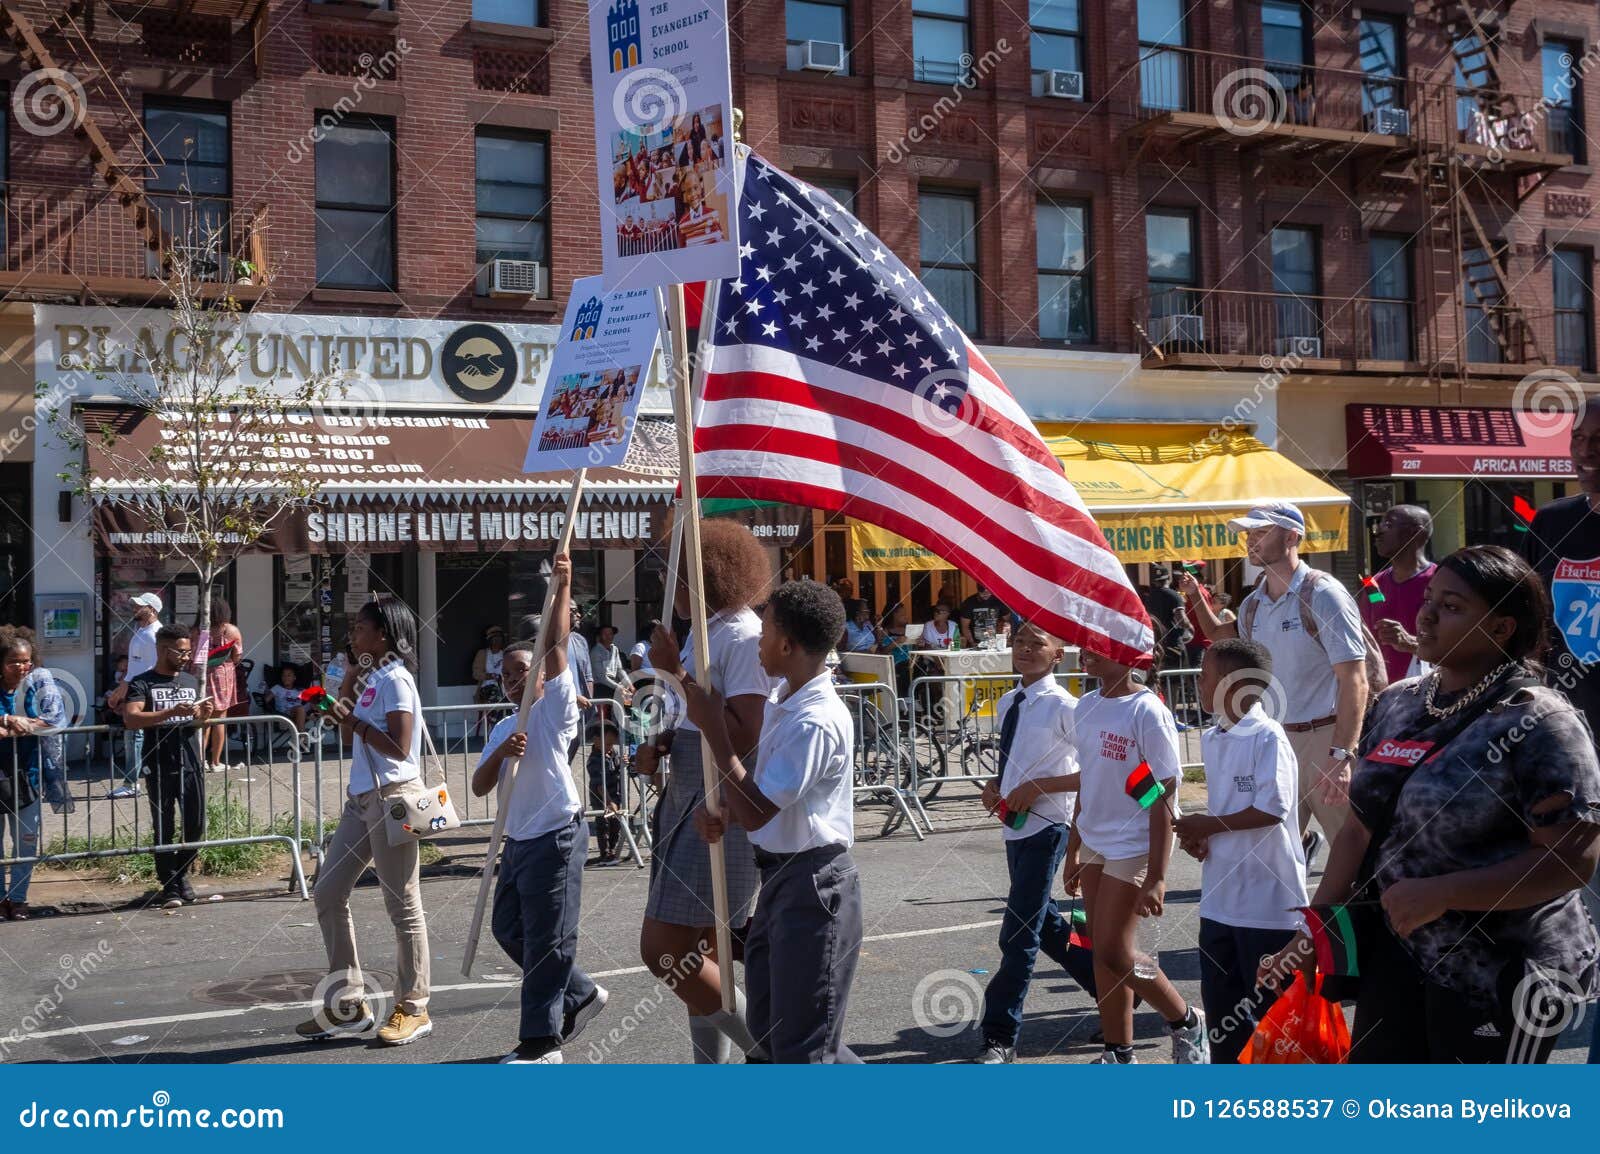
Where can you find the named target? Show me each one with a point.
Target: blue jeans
(1031, 923)
(1594, 1038)
(535, 920)
(22, 830)
(132, 755)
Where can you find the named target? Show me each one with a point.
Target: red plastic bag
(1301, 1027)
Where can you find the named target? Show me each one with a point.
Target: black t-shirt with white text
(1563, 546)
(170, 746)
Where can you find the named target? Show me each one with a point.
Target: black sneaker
(572, 1024)
(1312, 844)
(186, 891)
(995, 1054)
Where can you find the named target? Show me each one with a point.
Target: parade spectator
(222, 681)
(860, 635)
(1313, 630)
(737, 575)
(892, 643)
(1561, 541)
(52, 746)
(1253, 882)
(167, 700)
(578, 659)
(486, 666)
(1119, 851)
(141, 659)
(1168, 616)
(939, 633)
(639, 656)
(981, 600)
(286, 697)
(23, 714)
(381, 715)
(1477, 850)
(605, 659)
(1403, 537)
(604, 768)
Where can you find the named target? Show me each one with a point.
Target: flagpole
(689, 505)
(508, 771)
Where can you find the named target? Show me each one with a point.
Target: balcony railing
(1254, 94)
(1284, 330)
(1536, 127)
(73, 236)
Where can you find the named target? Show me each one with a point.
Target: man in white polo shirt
(1313, 630)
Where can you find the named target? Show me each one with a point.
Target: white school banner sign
(663, 123)
(597, 376)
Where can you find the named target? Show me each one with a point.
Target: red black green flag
(1013, 820)
(1369, 585)
(1334, 937)
(1524, 511)
(1079, 934)
(1143, 787)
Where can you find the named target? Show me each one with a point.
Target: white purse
(420, 810)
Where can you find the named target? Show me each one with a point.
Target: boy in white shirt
(539, 891)
(1120, 849)
(1033, 797)
(801, 953)
(1254, 877)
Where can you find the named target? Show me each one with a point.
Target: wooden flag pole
(689, 506)
(508, 772)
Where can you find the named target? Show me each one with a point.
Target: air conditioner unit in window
(1308, 347)
(822, 56)
(518, 278)
(1064, 85)
(1389, 121)
(1178, 329)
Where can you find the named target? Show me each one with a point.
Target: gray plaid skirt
(680, 866)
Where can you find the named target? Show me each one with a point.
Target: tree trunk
(202, 641)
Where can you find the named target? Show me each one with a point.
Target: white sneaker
(1190, 1044)
(553, 1058)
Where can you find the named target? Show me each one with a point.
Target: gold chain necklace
(1466, 699)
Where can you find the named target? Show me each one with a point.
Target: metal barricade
(257, 801)
(1180, 689)
(884, 769)
(955, 714)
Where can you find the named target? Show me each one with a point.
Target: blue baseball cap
(1279, 513)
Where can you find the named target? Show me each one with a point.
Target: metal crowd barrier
(79, 821)
(885, 767)
(1180, 689)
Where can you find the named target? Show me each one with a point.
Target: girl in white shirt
(381, 714)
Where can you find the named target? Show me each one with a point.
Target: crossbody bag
(419, 810)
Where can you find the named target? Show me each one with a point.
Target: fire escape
(114, 239)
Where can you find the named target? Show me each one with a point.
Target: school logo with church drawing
(622, 33)
(588, 319)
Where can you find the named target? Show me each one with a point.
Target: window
(1391, 291)
(524, 13)
(513, 198)
(1574, 301)
(1382, 47)
(355, 204)
(1163, 67)
(1297, 311)
(1056, 41)
(189, 181)
(1286, 44)
(1066, 311)
(950, 254)
(1474, 71)
(1563, 94)
(1170, 261)
(841, 188)
(1480, 294)
(940, 40)
(824, 20)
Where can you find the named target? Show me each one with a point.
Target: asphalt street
(227, 981)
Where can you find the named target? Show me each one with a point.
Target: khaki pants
(1311, 751)
(360, 841)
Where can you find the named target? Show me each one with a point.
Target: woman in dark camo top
(1483, 951)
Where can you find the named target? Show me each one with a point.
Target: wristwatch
(1338, 753)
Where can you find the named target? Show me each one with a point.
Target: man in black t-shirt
(982, 599)
(1166, 607)
(1563, 545)
(166, 701)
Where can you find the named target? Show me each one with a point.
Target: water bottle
(1147, 948)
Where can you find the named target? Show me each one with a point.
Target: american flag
(833, 379)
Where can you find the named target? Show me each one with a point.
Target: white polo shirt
(1253, 878)
(804, 766)
(543, 796)
(389, 689)
(1303, 664)
(1043, 747)
(734, 642)
(1114, 734)
(142, 649)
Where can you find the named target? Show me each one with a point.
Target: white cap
(148, 600)
(1279, 513)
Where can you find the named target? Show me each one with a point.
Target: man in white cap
(1313, 630)
(141, 659)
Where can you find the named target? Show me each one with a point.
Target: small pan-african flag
(1143, 787)
(1524, 510)
(1369, 586)
(1334, 936)
(1012, 819)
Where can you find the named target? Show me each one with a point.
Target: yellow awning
(1166, 492)
(876, 550)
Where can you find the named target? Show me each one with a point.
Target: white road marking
(7, 1040)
